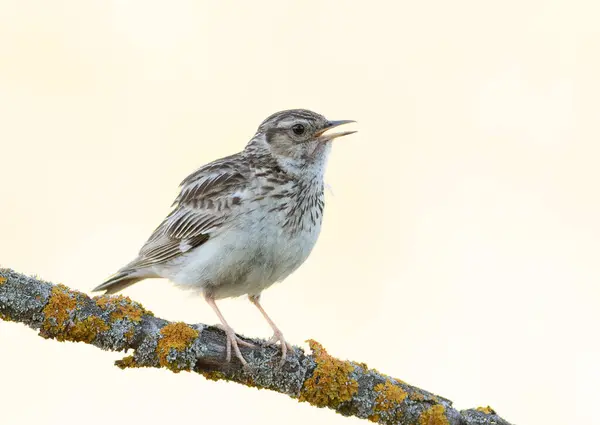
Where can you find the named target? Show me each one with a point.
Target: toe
(232, 345)
(285, 346)
(243, 343)
(238, 353)
(283, 353)
(228, 355)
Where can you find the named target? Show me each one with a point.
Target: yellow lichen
(388, 399)
(87, 330)
(129, 334)
(330, 384)
(176, 336)
(3, 280)
(487, 410)
(436, 415)
(416, 396)
(213, 375)
(374, 418)
(126, 362)
(57, 312)
(121, 307)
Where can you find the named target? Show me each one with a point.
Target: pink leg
(232, 339)
(277, 335)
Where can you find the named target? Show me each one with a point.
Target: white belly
(245, 259)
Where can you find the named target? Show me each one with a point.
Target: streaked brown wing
(206, 201)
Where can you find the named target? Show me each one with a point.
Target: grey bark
(118, 324)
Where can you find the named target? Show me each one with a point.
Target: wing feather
(208, 198)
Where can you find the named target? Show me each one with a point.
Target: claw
(239, 340)
(232, 339)
(285, 346)
(277, 335)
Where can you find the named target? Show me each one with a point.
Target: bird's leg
(277, 335)
(232, 339)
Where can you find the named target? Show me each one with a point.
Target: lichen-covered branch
(119, 324)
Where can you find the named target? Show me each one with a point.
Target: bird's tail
(121, 280)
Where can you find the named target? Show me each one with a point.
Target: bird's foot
(235, 341)
(285, 346)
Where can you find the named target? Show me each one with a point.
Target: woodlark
(243, 222)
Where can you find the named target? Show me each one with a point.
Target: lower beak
(332, 124)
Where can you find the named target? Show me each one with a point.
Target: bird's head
(299, 138)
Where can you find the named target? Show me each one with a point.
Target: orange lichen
(388, 400)
(60, 321)
(487, 410)
(121, 307)
(58, 311)
(174, 336)
(436, 415)
(3, 280)
(330, 384)
(87, 330)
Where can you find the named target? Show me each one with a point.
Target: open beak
(332, 124)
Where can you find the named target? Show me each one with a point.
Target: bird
(241, 223)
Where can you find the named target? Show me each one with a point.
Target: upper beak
(332, 124)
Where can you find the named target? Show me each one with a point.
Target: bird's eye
(298, 129)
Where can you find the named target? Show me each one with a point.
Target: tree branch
(117, 323)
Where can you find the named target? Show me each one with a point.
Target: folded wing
(207, 200)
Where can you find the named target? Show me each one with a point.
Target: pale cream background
(461, 245)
